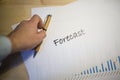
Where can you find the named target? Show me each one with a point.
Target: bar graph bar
(119, 59)
(81, 73)
(93, 70)
(114, 66)
(110, 67)
(102, 67)
(111, 64)
(90, 71)
(96, 69)
(87, 71)
(106, 69)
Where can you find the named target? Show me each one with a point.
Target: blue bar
(75, 74)
(106, 69)
(102, 67)
(111, 64)
(81, 73)
(114, 66)
(84, 72)
(90, 70)
(108, 65)
(96, 69)
(100, 70)
(87, 71)
(93, 70)
(119, 58)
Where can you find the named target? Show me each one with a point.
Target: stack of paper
(82, 43)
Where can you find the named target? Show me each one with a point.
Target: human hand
(26, 35)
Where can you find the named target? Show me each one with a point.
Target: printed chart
(107, 71)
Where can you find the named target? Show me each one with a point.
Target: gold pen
(46, 24)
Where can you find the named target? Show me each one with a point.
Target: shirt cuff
(5, 47)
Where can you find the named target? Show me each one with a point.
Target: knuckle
(35, 15)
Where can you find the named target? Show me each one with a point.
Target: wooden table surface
(11, 12)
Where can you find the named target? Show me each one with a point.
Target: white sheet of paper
(81, 38)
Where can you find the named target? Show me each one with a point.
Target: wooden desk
(11, 12)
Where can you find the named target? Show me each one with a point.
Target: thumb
(37, 20)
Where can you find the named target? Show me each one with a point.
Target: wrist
(5, 47)
(14, 43)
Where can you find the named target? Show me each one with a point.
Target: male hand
(26, 35)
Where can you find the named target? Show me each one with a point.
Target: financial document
(82, 42)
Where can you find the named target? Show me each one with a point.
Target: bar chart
(109, 70)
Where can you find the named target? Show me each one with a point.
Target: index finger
(37, 20)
